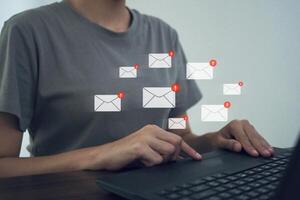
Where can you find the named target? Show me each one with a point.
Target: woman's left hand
(240, 134)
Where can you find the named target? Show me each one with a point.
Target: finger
(229, 144)
(190, 151)
(173, 139)
(239, 134)
(177, 141)
(150, 157)
(168, 136)
(177, 151)
(269, 147)
(257, 141)
(166, 149)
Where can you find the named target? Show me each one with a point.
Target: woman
(54, 59)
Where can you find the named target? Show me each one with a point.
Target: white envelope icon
(160, 60)
(199, 71)
(158, 97)
(107, 103)
(127, 72)
(232, 89)
(176, 123)
(214, 113)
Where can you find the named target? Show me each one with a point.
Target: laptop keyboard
(257, 183)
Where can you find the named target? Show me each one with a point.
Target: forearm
(69, 161)
(202, 143)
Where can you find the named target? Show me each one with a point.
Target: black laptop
(220, 175)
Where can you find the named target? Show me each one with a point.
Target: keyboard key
(252, 194)
(257, 176)
(225, 195)
(220, 189)
(199, 188)
(185, 192)
(254, 184)
(214, 198)
(271, 186)
(242, 197)
(249, 172)
(219, 175)
(248, 179)
(213, 183)
(281, 168)
(232, 178)
(265, 197)
(236, 191)
(274, 158)
(287, 154)
(239, 182)
(262, 190)
(209, 178)
(258, 169)
(185, 198)
(197, 182)
(274, 171)
(273, 164)
(230, 185)
(272, 178)
(185, 185)
(245, 188)
(281, 156)
(173, 196)
(266, 167)
(203, 194)
(223, 181)
(241, 175)
(266, 173)
(263, 181)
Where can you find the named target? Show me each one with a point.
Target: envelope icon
(160, 60)
(158, 97)
(176, 123)
(214, 113)
(127, 72)
(199, 71)
(107, 103)
(232, 89)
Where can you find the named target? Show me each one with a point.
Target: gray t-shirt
(53, 61)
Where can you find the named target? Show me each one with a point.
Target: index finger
(190, 151)
(171, 137)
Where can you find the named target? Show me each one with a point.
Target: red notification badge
(241, 83)
(121, 94)
(136, 66)
(175, 87)
(171, 53)
(227, 104)
(186, 118)
(213, 62)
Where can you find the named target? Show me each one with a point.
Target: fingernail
(198, 156)
(266, 153)
(236, 147)
(255, 152)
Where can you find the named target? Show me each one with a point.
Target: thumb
(230, 144)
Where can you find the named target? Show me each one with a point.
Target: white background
(254, 41)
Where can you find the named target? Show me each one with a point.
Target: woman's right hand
(150, 145)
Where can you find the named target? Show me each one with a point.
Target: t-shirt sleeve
(189, 93)
(17, 72)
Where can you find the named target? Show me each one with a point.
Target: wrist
(92, 159)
